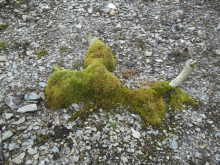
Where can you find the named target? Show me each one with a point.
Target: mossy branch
(186, 72)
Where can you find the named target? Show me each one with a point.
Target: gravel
(152, 39)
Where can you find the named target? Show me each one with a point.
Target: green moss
(180, 98)
(98, 51)
(41, 53)
(96, 84)
(113, 125)
(63, 49)
(3, 26)
(2, 45)
(56, 67)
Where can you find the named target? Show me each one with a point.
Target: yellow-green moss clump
(3, 26)
(41, 53)
(98, 51)
(180, 98)
(2, 45)
(95, 83)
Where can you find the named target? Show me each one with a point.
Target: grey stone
(32, 151)
(3, 58)
(42, 84)
(18, 159)
(74, 35)
(31, 96)
(13, 146)
(12, 101)
(55, 149)
(28, 108)
(218, 26)
(7, 115)
(90, 9)
(124, 159)
(79, 26)
(135, 134)
(42, 95)
(21, 120)
(7, 135)
(170, 75)
(174, 144)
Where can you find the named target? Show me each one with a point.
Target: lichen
(97, 85)
(41, 53)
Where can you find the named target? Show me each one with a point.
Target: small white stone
(75, 158)
(158, 60)
(148, 53)
(61, 27)
(118, 26)
(112, 12)
(90, 10)
(217, 52)
(203, 146)
(79, 26)
(36, 156)
(135, 134)
(124, 159)
(28, 162)
(122, 129)
(110, 5)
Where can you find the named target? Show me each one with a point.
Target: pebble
(7, 135)
(112, 6)
(19, 158)
(12, 102)
(174, 144)
(31, 96)
(135, 134)
(148, 53)
(8, 115)
(21, 120)
(28, 108)
(112, 12)
(3, 58)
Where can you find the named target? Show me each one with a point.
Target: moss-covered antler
(96, 83)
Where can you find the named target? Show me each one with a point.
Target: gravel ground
(151, 39)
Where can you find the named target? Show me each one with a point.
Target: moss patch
(2, 45)
(98, 51)
(3, 26)
(96, 84)
(180, 98)
(41, 53)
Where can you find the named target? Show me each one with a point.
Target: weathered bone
(186, 72)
